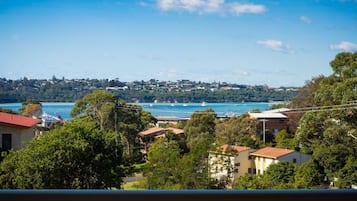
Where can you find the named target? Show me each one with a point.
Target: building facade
(229, 162)
(16, 130)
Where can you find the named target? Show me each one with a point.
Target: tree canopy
(77, 155)
(326, 132)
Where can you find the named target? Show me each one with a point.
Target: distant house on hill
(264, 157)
(147, 137)
(228, 162)
(16, 130)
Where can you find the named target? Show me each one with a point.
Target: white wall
(262, 163)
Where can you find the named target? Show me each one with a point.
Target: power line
(351, 105)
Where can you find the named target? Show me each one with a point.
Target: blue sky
(273, 42)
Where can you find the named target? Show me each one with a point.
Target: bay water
(181, 110)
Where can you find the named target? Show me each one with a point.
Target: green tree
(332, 158)
(194, 165)
(310, 133)
(162, 169)
(347, 176)
(99, 106)
(305, 97)
(200, 123)
(325, 132)
(76, 155)
(281, 175)
(112, 115)
(309, 175)
(131, 119)
(237, 130)
(285, 140)
(252, 182)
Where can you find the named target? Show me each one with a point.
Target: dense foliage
(86, 152)
(110, 114)
(327, 133)
(170, 168)
(77, 155)
(240, 130)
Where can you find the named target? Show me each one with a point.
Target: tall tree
(305, 97)
(162, 169)
(130, 120)
(237, 130)
(309, 175)
(325, 132)
(194, 165)
(285, 140)
(113, 115)
(99, 106)
(200, 123)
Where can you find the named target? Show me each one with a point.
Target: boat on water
(203, 104)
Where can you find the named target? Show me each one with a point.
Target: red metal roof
(18, 120)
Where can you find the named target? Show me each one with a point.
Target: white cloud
(305, 19)
(345, 46)
(275, 45)
(205, 6)
(239, 9)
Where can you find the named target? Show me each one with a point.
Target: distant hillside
(65, 90)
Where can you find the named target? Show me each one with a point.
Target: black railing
(185, 195)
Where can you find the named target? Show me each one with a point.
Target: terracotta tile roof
(224, 149)
(17, 120)
(158, 130)
(151, 131)
(176, 131)
(272, 152)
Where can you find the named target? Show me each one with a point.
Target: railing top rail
(178, 195)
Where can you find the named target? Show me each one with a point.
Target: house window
(6, 142)
(294, 160)
(252, 171)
